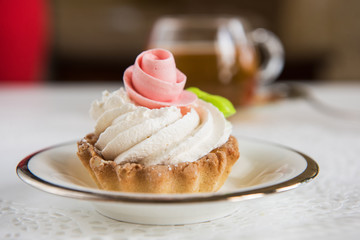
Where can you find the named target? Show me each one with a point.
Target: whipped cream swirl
(131, 133)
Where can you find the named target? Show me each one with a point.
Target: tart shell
(206, 174)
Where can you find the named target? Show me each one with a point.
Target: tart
(155, 137)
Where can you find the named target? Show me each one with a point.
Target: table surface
(327, 208)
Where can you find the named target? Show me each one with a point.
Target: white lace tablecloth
(327, 208)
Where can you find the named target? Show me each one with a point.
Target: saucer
(263, 168)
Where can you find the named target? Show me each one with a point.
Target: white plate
(263, 168)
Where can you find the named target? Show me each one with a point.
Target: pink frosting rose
(155, 82)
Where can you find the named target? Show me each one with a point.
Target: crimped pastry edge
(206, 174)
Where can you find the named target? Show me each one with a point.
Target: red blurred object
(23, 40)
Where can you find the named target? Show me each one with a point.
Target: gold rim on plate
(90, 194)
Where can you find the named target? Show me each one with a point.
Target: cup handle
(273, 62)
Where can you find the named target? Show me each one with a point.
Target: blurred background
(93, 41)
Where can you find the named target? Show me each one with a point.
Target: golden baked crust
(207, 174)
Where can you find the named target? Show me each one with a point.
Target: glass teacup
(220, 55)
